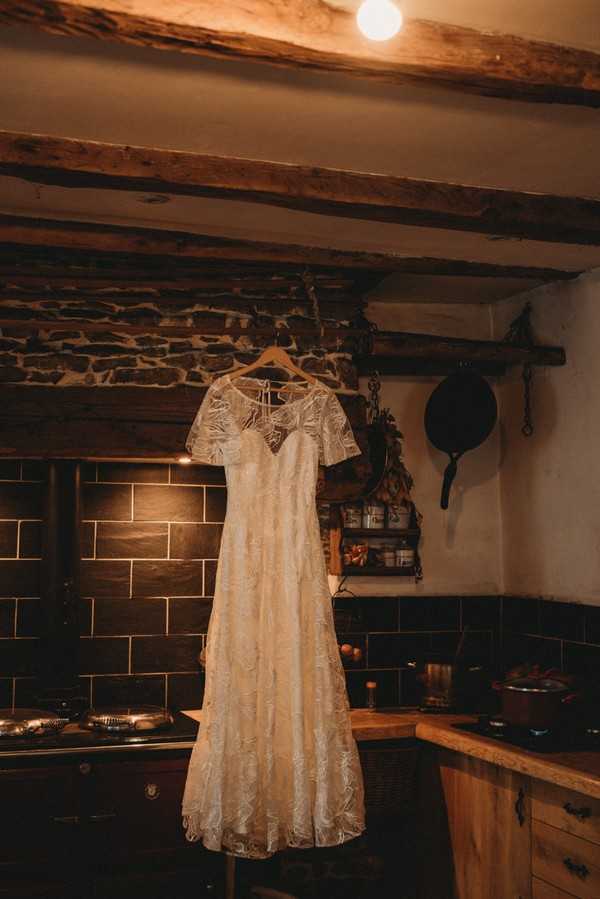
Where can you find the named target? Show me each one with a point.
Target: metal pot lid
(535, 685)
(127, 718)
(29, 722)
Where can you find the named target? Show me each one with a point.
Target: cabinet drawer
(565, 861)
(543, 890)
(573, 812)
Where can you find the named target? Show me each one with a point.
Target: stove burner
(563, 740)
(127, 719)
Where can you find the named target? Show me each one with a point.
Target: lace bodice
(228, 411)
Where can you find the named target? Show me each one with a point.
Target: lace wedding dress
(275, 763)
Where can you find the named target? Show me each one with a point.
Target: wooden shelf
(381, 532)
(378, 571)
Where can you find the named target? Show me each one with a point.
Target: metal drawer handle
(580, 813)
(151, 791)
(100, 819)
(66, 819)
(579, 870)
(519, 807)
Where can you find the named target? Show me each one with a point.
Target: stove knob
(151, 791)
(85, 768)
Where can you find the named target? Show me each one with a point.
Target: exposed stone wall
(71, 357)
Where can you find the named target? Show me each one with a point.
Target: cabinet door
(40, 815)
(135, 807)
(486, 826)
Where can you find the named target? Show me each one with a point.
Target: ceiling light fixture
(379, 20)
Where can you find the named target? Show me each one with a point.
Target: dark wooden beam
(388, 344)
(113, 422)
(70, 163)
(313, 35)
(181, 247)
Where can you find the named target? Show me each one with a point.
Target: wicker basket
(389, 773)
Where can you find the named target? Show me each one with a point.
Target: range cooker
(572, 738)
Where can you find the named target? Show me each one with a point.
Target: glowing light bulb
(184, 460)
(379, 20)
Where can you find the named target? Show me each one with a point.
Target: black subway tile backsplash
(216, 503)
(107, 502)
(10, 470)
(110, 578)
(19, 578)
(18, 657)
(30, 540)
(210, 574)
(481, 612)
(195, 541)
(104, 655)
(173, 653)
(185, 691)
(158, 578)
(197, 474)
(592, 624)
(520, 614)
(132, 473)
(7, 617)
(114, 617)
(132, 540)
(168, 503)
(8, 538)
(189, 615)
(396, 650)
(429, 613)
(6, 692)
(124, 689)
(19, 500)
(561, 619)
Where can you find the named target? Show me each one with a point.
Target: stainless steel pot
(29, 723)
(536, 703)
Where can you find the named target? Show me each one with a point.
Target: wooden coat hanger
(278, 356)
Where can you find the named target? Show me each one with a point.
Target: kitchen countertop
(579, 771)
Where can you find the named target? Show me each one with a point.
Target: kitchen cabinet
(475, 824)
(97, 825)
(498, 834)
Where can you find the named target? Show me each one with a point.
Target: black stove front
(73, 737)
(567, 739)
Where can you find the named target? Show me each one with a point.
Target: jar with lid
(398, 517)
(405, 554)
(373, 514)
(388, 555)
(353, 515)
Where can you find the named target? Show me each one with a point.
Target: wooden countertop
(579, 771)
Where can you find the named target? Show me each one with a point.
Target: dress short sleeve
(213, 438)
(336, 438)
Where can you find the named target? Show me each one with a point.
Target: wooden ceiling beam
(310, 34)
(119, 242)
(70, 163)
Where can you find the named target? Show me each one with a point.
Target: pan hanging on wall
(460, 415)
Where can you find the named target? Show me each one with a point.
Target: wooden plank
(109, 422)
(490, 845)
(317, 36)
(543, 890)
(568, 862)
(67, 162)
(573, 812)
(396, 345)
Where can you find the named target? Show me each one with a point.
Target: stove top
(564, 740)
(74, 737)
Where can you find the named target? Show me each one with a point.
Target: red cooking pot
(537, 703)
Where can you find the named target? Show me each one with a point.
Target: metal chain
(309, 286)
(520, 333)
(527, 429)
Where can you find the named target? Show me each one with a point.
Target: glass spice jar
(388, 556)
(373, 514)
(405, 554)
(353, 515)
(398, 517)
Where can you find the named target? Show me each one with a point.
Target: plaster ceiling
(108, 92)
